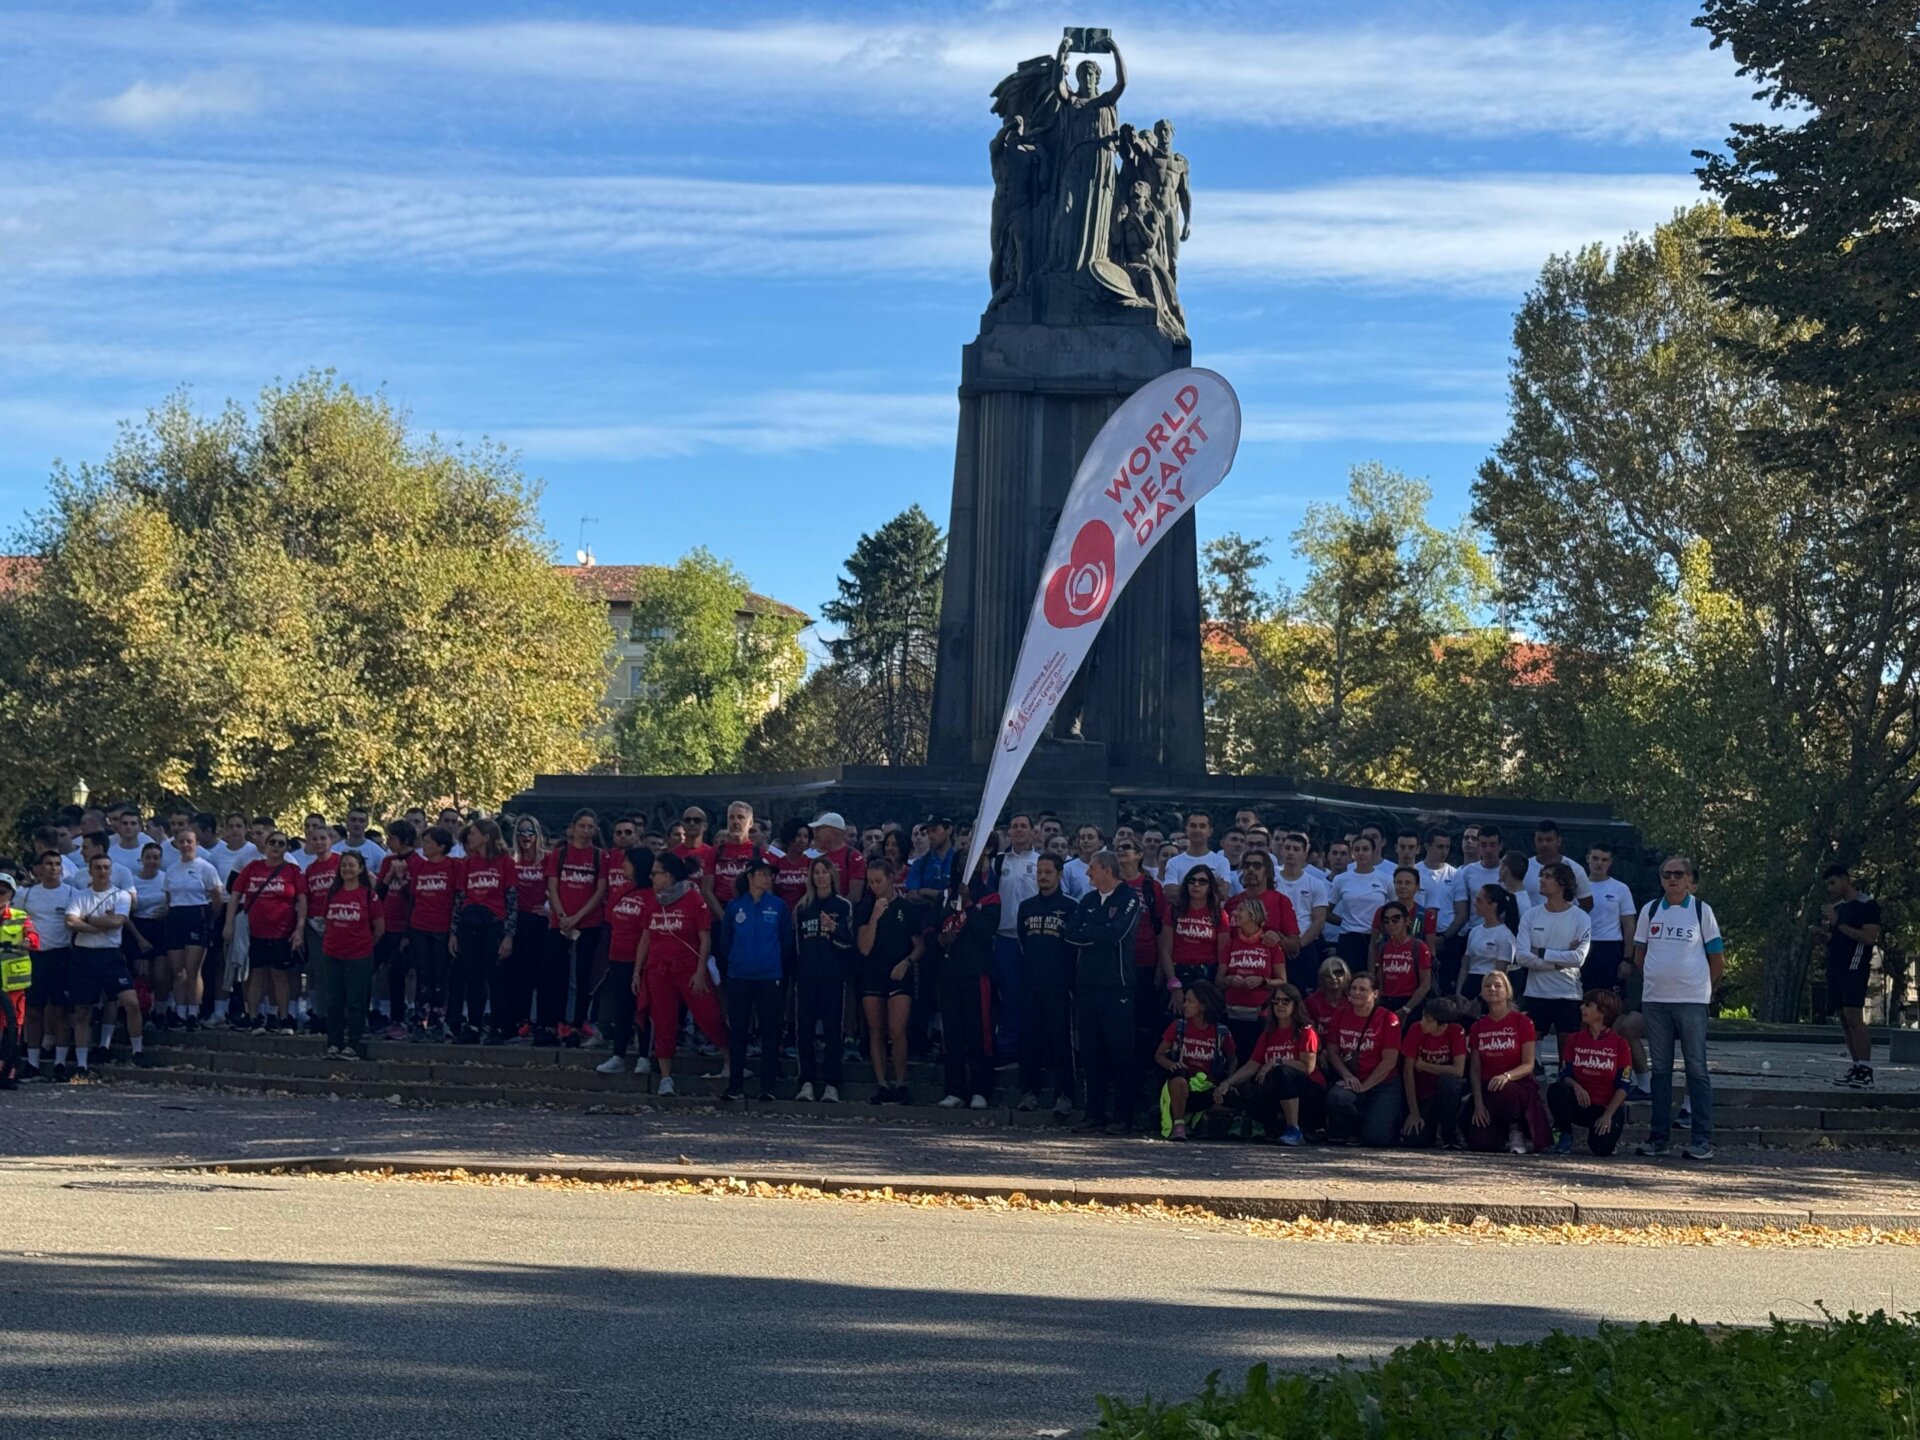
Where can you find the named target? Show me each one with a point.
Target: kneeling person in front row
(1197, 1053)
(1279, 1077)
(1433, 1069)
(1594, 1078)
(1363, 1051)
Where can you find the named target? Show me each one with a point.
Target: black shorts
(52, 977)
(270, 954)
(1602, 970)
(1356, 948)
(877, 981)
(154, 928)
(1560, 1017)
(1846, 987)
(189, 927)
(96, 974)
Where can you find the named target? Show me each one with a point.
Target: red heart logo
(1077, 593)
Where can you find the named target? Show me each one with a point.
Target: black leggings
(1568, 1112)
(429, 972)
(573, 960)
(474, 959)
(514, 981)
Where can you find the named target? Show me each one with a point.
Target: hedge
(1851, 1379)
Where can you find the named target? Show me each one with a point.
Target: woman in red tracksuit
(672, 963)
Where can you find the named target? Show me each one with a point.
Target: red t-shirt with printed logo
(1360, 1042)
(530, 884)
(699, 858)
(1296, 1042)
(396, 899)
(1443, 1048)
(433, 885)
(1199, 937)
(322, 875)
(349, 932)
(730, 862)
(790, 872)
(577, 873)
(1321, 1010)
(614, 866)
(267, 895)
(1498, 1042)
(1196, 1048)
(1252, 959)
(675, 929)
(486, 882)
(1280, 917)
(626, 923)
(1599, 1062)
(1401, 967)
(1153, 919)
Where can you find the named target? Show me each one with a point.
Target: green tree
(296, 607)
(888, 611)
(1353, 676)
(714, 666)
(827, 720)
(1729, 644)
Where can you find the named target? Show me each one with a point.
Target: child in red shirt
(1594, 1078)
(1197, 1053)
(1433, 1069)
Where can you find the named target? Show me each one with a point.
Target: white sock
(33, 1056)
(106, 1037)
(181, 1009)
(80, 1056)
(59, 1054)
(385, 1007)
(138, 1042)
(1643, 1078)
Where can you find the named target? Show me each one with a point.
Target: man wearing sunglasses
(1681, 957)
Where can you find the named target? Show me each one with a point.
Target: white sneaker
(979, 1102)
(951, 1102)
(612, 1065)
(643, 1066)
(830, 1096)
(1516, 1142)
(806, 1092)
(666, 1085)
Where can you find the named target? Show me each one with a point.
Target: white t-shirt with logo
(1677, 940)
(1490, 948)
(48, 911)
(1181, 865)
(1304, 894)
(90, 902)
(1553, 946)
(149, 895)
(1436, 891)
(129, 855)
(228, 859)
(192, 882)
(1612, 909)
(1468, 882)
(1356, 898)
(369, 851)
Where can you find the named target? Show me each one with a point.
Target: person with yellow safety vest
(18, 941)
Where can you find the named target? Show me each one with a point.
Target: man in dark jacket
(1046, 983)
(964, 990)
(1101, 929)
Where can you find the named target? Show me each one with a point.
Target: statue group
(1087, 213)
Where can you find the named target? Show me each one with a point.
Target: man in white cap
(830, 843)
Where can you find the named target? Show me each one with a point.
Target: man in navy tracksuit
(1046, 985)
(756, 935)
(1101, 932)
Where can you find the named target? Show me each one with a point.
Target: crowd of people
(1355, 987)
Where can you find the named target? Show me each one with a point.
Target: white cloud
(158, 105)
(1628, 79)
(1465, 421)
(1479, 233)
(774, 422)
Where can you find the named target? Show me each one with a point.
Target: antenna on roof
(584, 555)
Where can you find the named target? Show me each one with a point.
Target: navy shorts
(271, 954)
(189, 927)
(52, 974)
(96, 974)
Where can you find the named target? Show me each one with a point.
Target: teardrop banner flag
(1169, 444)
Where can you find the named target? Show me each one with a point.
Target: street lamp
(80, 793)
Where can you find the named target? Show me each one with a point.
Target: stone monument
(1083, 309)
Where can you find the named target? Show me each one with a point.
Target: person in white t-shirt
(1307, 891)
(1613, 918)
(1554, 939)
(129, 839)
(1436, 894)
(46, 902)
(195, 896)
(1547, 844)
(1199, 851)
(1481, 870)
(98, 971)
(233, 851)
(356, 840)
(1073, 875)
(99, 843)
(1681, 959)
(1355, 894)
(1493, 943)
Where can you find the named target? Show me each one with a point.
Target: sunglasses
(1673, 874)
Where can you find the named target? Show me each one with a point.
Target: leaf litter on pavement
(1480, 1230)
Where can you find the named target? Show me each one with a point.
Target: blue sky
(709, 267)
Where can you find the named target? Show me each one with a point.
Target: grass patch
(1853, 1378)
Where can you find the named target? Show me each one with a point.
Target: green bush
(1851, 1379)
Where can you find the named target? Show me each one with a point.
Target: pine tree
(888, 611)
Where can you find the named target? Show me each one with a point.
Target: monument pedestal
(1032, 398)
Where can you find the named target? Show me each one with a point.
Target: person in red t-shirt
(1362, 1053)
(1594, 1078)
(1433, 1070)
(527, 963)
(576, 936)
(620, 1005)
(1197, 1053)
(393, 885)
(731, 857)
(351, 933)
(672, 963)
(1324, 1003)
(1253, 967)
(692, 846)
(1150, 991)
(1282, 926)
(431, 875)
(792, 864)
(272, 893)
(482, 926)
(1403, 964)
(1507, 1108)
(1195, 941)
(1280, 1075)
(1421, 923)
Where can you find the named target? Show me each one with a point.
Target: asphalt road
(154, 1306)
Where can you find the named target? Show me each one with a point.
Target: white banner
(1169, 444)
